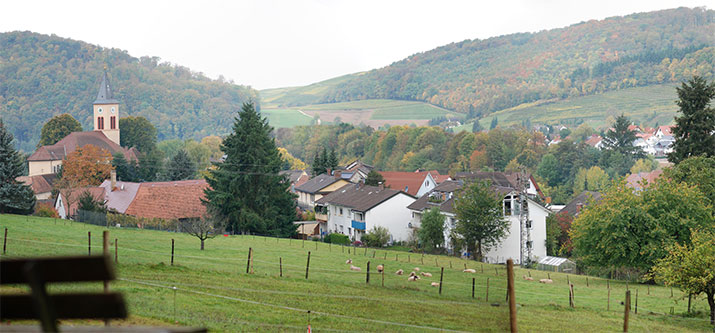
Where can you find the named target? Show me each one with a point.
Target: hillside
(478, 77)
(212, 289)
(42, 76)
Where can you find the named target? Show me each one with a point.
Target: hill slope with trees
(478, 77)
(42, 76)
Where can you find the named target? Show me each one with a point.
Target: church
(48, 159)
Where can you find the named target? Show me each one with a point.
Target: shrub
(377, 237)
(45, 210)
(337, 239)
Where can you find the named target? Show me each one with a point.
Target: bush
(45, 210)
(377, 237)
(337, 239)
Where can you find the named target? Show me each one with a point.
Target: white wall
(60, 207)
(510, 246)
(338, 223)
(427, 185)
(393, 215)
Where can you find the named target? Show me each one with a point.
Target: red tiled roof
(594, 140)
(169, 200)
(75, 140)
(39, 184)
(409, 182)
(667, 130)
(635, 179)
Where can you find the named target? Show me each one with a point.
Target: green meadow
(213, 289)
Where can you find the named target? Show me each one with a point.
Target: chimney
(338, 174)
(114, 180)
(381, 185)
(330, 172)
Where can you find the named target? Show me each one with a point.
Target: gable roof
(635, 179)
(293, 175)
(593, 140)
(359, 197)
(75, 140)
(169, 200)
(105, 94)
(448, 186)
(39, 183)
(583, 199)
(409, 182)
(120, 197)
(317, 183)
(423, 203)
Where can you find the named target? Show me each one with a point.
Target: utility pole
(523, 181)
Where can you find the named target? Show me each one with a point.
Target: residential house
(582, 200)
(510, 247)
(359, 170)
(41, 185)
(67, 201)
(414, 183)
(314, 189)
(595, 141)
(307, 229)
(504, 179)
(354, 209)
(664, 131)
(635, 180)
(296, 178)
(169, 200)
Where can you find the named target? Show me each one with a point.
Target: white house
(443, 197)
(314, 189)
(355, 209)
(414, 183)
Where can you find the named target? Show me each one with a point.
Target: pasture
(214, 290)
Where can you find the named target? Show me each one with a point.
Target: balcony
(321, 217)
(359, 225)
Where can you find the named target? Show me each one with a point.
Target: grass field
(280, 118)
(639, 104)
(213, 289)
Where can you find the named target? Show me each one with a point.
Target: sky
(271, 44)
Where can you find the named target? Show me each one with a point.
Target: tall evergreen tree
(15, 198)
(476, 126)
(332, 162)
(318, 164)
(495, 122)
(620, 139)
(246, 189)
(180, 167)
(126, 170)
(694, 129)
(374, 178)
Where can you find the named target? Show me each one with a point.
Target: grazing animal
(546, 281)
(417, 269)
(353, 268)
(425, 274)
(349, 261)
(413, 278)
(528, 278)
(400, 272)
(435, 284)
(380, 268)
(470, 270)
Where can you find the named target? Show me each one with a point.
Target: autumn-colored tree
(86, 166)
(478, 160)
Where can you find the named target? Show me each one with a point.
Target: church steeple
(106, 111)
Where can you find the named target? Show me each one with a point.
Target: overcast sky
(270, 44)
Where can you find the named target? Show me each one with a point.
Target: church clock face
(99, 110)
(113, 110)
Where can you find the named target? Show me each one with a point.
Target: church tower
(106, 111)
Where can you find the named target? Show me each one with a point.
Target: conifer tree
(318, 164)
(15, 198)
(332, 160)
(694, 131)
(246, 189)
(181, 167)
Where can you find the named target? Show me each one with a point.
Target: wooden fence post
(385, 258)
(89, 243)
(450, 264)
(435, 263)
(4, 243)
(116, 251)
(367, 273)
(636, 301)
(608, 305)
(280, 265)
(627, 310)
(690, 297)
(408, 258)
(487, 293)
(307, 266)
(587, 281)
(473, 282)
(172, 252)
(441, 274)
(573, 296)
(248, 260)
(512, 297)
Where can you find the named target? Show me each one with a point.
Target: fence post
(383, 275)
(450, 264)
(473, 282)
(690, 297)
(573, 296)
(373, 254)
(482, 268)
(280, 264)
(487, 293)
(116, 252)
(627, 310)
(4, 243)
(307, 265)
(435, 263)
(172, 252)
(512, 298)
(365, 254)
(89, 243)
(587, 281)
(636, 301)
(608, 305)
(367, 273)
(105, 250)
(248, 260)
(441, 273)
(408, 258)
(385, 258)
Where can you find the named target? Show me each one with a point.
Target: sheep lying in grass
(528, 278)
(349, 261)
(353, 268)
(413, 278)
(470, 270)
(435, 284)
(380, 268)
(546, 281)
(425, 274)
(417, 269)
(400, 272)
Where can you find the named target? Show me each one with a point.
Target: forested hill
(481, 76)
(42, 76)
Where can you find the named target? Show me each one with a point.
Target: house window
(426, 182)
(341, 212)
(100, 123)
(350, 231)
(507, 206)
(113, 122)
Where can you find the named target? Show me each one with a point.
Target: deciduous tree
(57, 128)
(431, 232)
(480, 221)
(137, 132)
(88, 165)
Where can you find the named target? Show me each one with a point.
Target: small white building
(355, 209)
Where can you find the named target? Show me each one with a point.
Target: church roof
(75, 140)
(105, 95)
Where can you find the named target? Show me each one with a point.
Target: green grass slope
(304, 95)
(213, 289)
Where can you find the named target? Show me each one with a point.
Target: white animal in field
(353, 268)
(400, 272)
(435, 284)
(528, 278)
(413, 278)
(417, 269)
(425, 274)
(349, 261)
(470, 270)
(546, 281)
(380, 268)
